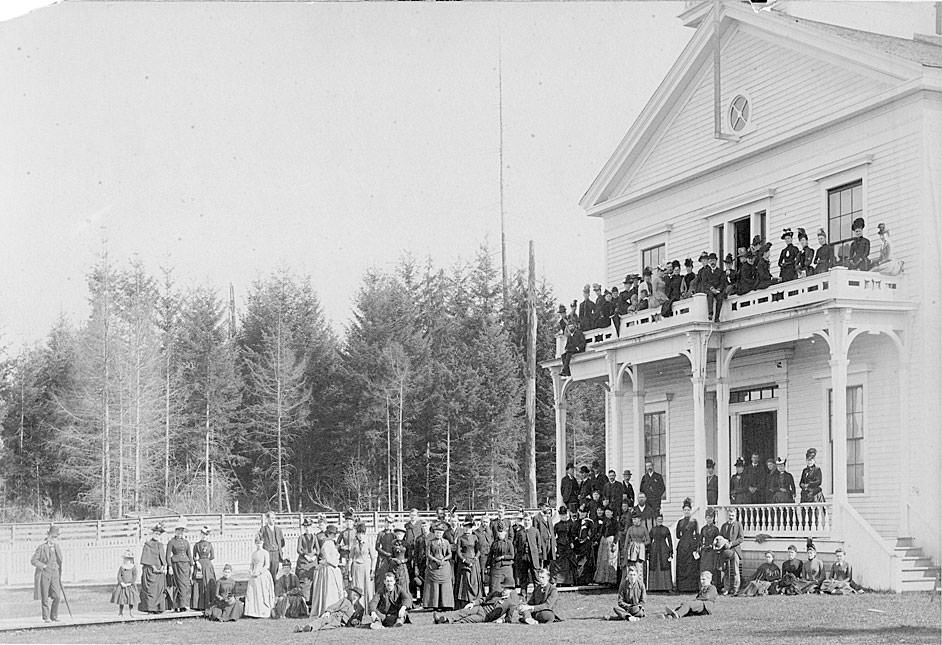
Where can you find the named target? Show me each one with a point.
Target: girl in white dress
(328, 579)
(260, 593)
(362, 564)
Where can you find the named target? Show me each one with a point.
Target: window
(653, 256)
(739, 112)
(754, 394)
(655, 440)
(855, 429)
(845, 203)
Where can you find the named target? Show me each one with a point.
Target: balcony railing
(781, 520)
(838, 283)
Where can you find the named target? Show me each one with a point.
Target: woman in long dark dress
(204, 574)
(659, 562)
(154, 573)
(469, 565)
(709, 558)
(180, 557)
(438, 591)
(688, 543)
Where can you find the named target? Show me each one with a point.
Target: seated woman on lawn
(765, 580)
(812, 571)
(702, 605)
(792, 569)
(226, 607)
(840, 580)
(631, 597)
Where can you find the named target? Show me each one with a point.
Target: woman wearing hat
(260, 592)
(125, 591)
(858, 257)
(180, 557)
(438, 590)
(398, 561)
(739, 485)
(788, 258)
(824, 255)
(362, 563)
(468, 560)
(709, 558)
(308, 551)
(204, 575)
(688, 542)
(781, 484)
(154, 573)
(328, 581)
(885, 264)
(805, 255)
(811, 478)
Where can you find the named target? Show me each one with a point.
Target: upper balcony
(862, 289)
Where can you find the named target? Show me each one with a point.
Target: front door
(758, 435)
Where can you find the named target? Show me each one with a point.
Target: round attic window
(739, 113)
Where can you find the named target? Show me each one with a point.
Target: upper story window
(845, 203)
(740, 109)
(653, 256)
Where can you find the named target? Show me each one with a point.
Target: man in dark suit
(569, 488)
(273, 541)
(543, 522)
(712, 483)
(586, 484)
(674, 288)
(575, 344)
(528, 553)
(629, 489)
(586, 309)
(732, 554)
(653, 486)
(47, 559)
(756, 475)
(614, 491)
(645, 512)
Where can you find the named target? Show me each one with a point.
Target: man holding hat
(788, 258)
(858, 257)
(811, 478)
(47, 580)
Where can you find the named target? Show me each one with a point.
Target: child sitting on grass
(631, 598)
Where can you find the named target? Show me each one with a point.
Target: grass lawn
(869, 618)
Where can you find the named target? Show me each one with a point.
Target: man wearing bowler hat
(48, 576)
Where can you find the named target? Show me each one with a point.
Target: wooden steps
(918, 572)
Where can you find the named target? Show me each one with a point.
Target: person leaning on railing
(575, 344)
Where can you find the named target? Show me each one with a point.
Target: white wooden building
(817, 124)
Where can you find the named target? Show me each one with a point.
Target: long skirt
(223, 612)
(562, 570)
(688, 569)
(755, 588)
(153, 590)
(181, 583)
(360, 577)
(438, 592)
(469, 581)
(125, 595)
(328, 588)
(204, 589)
(305, 572)
(260, 596)
(659, 579)
(710, 561)
(606, 565)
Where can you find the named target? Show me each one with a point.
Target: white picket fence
(92, 551)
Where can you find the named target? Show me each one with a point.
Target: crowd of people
(500, 568)
(659, 287)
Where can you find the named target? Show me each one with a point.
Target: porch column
(637, 400)
(722, 437)
(699, 442)
(560, 408)
(839, 425)
(609, 434)
(618, 431)
(905, 446)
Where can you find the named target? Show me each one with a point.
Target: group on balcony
(659, 287)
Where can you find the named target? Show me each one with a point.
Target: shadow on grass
(894, 633)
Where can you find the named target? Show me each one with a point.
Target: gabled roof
(889, 57)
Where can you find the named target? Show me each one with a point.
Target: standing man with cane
(47, 581)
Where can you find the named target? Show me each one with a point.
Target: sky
(227, 139)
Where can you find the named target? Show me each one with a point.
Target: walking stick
(64, 597)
